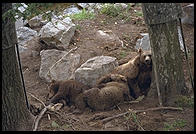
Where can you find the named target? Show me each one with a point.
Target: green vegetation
(111, 10)
(78, 27)
(35, 9)
(123, 54)
(184, 101)
(55, 125)
(176, 125)
(133, 117)
(82, 15)
(139, 13)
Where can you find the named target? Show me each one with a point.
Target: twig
(72, 127)
(40, 116)
(37, 99)
(139, 111)
(48, 73)
(136, 120)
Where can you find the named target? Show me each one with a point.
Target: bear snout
(148, 60)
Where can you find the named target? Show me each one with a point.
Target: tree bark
(15, 115)
(166, 54)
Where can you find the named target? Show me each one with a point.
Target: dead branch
(37, 99)
(140, 111)
(40, 116)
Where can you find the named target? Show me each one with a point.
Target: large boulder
(94, 68)
(37, 22)
(24, 34)
(62, 70)
(108, 37)
(144, 42)
(58, 32)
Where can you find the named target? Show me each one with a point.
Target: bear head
(53, 89)
(145, 60)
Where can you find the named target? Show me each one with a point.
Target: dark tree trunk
(15, 115)
(166, 54)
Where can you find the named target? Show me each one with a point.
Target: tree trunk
(166, 54)
(15, 115)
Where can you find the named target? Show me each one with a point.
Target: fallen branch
(40, 116)
(140, 111)
(37, 99)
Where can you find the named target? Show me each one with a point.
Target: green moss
(184, 101)
(176, 125)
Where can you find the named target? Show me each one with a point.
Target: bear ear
(140, 50)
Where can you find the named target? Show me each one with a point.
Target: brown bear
(145, 73)
(66, 90)
(106, 97)
(137, 72)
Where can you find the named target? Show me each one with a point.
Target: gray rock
(22, 8)
(22, 48)
(120, 5)
(37, 21)
(94, 68)
(19, 21)
(143, 43)
(188, 14)
(25, 34)
(63, 70)
(98, 6)
(71, 10)
(108, 37)
(58, 31)
(88, 6)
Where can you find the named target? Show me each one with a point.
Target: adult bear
(138, 72)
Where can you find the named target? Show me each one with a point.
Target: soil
(89, 47)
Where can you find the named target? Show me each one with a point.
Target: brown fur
(111, 94)
(136, 71)
(145, 75)
(65, 90)
(129, 70)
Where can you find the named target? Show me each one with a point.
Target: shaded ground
(88, 47)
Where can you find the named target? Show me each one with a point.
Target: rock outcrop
(94, 68)
(58, 32)
(62, 70)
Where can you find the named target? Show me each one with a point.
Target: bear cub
(66, 91)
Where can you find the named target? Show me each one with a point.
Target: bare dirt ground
(88, 47)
